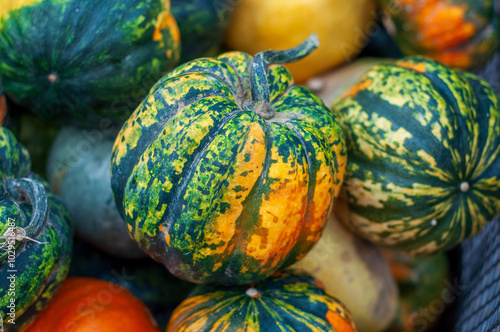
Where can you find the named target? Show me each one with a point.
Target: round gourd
(86, 63)
(288, 301)
(458, 33)
(227, 171)
(202, 24)
(423, 289)
(355, 271)
(88, 304)
(343, 28)
(35, 237)
(78, 169)
(423, 145)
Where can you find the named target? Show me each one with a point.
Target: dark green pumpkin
(78, 170)
(288, 301)
(85, 62)
(424, 290)
(202, 24)
(424, 145)
(227, 171)
(27, 207)
(458, 33)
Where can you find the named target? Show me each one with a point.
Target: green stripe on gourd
(227, 171)
(79, 62)
(288, 301)
(36, 237)
(423, 143)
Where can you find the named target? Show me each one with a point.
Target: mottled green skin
(202, 24)
(201, 179)
(289, 301)
(423, 143)
(426, 283)
(79, 62)
(40, 268)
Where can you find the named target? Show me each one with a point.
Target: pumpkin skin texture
(201, 24)
(459, 33)
(288, 301)
(39, 268)
(279, 24)
(423, 289)
(201, 169)
(355, 270)
(423, 145)
(78, 169)
(88, 304)
(85, 62)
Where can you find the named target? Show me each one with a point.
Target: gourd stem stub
(259, 85)
(26, 189)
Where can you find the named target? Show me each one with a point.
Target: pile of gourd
(237, 167)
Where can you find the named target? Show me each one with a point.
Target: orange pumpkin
(88, 304)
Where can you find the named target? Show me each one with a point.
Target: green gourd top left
(86, 63)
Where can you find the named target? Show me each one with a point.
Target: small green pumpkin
(202, 24)
(424, 155)
(78, 169)
(36, 242)
(288, 301)
(459, 33)
(227, 171)
(85, 62)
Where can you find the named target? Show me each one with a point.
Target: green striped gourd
(423, 144)
(36, 237)
(288, 301)
(87, 63)
(227, 171)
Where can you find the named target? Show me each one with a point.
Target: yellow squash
(342, 27)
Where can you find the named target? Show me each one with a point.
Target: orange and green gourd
(288, 301)
(459, 33)
(86, 63)
(227, 171)
(36, 237)
(423, 142)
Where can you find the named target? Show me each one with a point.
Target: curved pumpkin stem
(26, 189)
(261, 96)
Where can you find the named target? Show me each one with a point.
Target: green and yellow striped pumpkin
(288, 301)
(227, 171)
(88, 63)
(423, 144)
(36, 237)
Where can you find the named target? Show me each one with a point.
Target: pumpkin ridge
(238, 95)
(238, 242)
(141, 148)
(310, 188)
(169, 217)
(446, 92)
